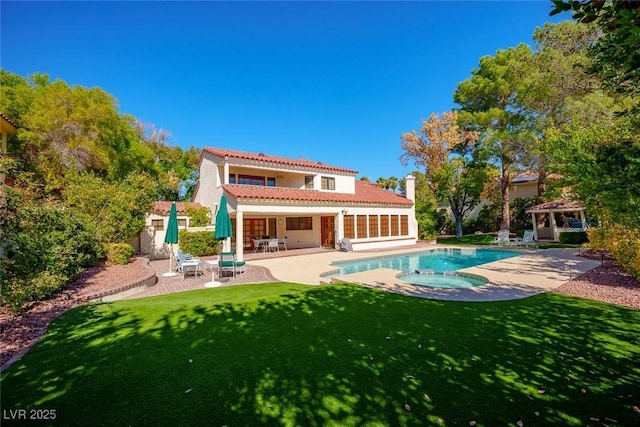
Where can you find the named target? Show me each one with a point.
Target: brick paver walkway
(169, 285)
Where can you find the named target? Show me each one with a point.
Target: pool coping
(533, 272)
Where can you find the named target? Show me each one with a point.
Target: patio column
(225, 178)
(339, 229)
(554, 227)
(239, 236)
(583, 220)
(534, 221)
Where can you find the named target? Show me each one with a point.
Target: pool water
(439, 280)
(431, 268)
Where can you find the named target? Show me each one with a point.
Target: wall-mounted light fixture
(344, 211)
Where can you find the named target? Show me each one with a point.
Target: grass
(344, 355)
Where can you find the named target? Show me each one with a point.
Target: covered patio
(559, 216)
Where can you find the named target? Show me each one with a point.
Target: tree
(491, 101)
(199, 217)
(118, 208)
(382, 182)
(177, 170)
(443, 150)
(557, 84)
(617, 52)
(426, 207)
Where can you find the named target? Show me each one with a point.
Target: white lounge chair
(188, 263)
(502, 238)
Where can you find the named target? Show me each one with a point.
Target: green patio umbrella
(172, 236)
(224, 229)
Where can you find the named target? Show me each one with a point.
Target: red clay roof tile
(286, 161)
(557, 204)
(164, 207)
(366, 193)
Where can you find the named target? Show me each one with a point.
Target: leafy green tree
(118, 208)
(79, 129)
(43, 245)
(177, 170)
(491, 101)
(555, 89)
(426, 207)
(383, 182)
(617, 52)
(602, 166)
(199, 217)
(443, 149)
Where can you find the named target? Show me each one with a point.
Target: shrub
(199, 217)
(597, 238)
(488, 218)
(444, 223)
(44, 247)
(622, 241)
(198, 243)
(520, 219)
(573, 238)
(119, 253)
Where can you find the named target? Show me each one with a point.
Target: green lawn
(285, 354)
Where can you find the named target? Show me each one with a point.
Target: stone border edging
(146, 282)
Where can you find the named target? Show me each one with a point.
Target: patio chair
(527, 238)
(227, 262)
(283, 243)
(273, 245)
(257, 244)
(188, 263)
(502, 238)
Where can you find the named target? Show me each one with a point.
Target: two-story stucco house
(312, 204)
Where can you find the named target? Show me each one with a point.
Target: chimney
(410, 187)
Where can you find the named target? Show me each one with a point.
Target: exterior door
(327, 231)
(253, 227)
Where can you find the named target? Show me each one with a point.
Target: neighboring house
(7, 127)
(524, 186)
(311, 204)
(151, 240)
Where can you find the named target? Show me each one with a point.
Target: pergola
(552, 218)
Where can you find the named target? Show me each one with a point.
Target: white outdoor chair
(273, 245)
(188, 263)
(283, 243)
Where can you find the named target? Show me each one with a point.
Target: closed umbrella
(223, 231)
(172, 237)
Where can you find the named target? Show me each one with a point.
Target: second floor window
(255, 180)
(308, 182)
(328, 183)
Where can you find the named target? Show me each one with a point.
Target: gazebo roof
(559, 205)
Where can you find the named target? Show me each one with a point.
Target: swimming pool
(434, 268)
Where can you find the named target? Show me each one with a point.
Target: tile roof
(164, 207)
(11, 122)
(366, 194)
(560, 204)
(285, 161)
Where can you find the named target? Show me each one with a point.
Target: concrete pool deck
(533, 272)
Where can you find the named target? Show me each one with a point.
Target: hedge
(198, 243)
(573, 237)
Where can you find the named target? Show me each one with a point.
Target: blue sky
(336, 82)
